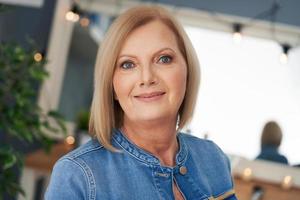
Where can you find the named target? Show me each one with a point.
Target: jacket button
(183, 170)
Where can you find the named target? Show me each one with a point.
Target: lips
(149, 95)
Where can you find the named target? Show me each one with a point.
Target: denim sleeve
(67, 181)
(228, 165)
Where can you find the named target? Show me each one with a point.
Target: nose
(148, 76)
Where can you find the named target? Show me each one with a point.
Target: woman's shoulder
(75, 168)
(84, 150)
(204, 149)
(197, 142)
(80, 157)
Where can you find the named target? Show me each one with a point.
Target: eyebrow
(157, 52)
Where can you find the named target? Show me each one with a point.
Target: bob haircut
(106, 113)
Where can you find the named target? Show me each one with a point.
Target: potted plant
(21, 73)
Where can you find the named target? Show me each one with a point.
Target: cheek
(178, 82)
(117, 86)
(121, 85)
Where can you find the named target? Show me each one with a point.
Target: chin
(152, 116)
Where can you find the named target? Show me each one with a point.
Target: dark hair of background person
(271, 134)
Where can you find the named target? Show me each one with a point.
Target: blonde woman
(146, 83)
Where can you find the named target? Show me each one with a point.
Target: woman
(271, 138)
(146, 83)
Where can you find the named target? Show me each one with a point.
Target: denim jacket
(91, 172)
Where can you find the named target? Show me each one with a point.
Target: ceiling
(211, 14)
(260, 18)
(288, 11)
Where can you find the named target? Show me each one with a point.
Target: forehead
(150, 36)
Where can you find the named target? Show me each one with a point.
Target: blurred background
(249, 53)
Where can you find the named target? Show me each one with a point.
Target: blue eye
(127, 65)
(165, 59)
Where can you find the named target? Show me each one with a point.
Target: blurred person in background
(271, 138)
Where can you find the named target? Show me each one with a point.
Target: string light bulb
(73, 14)
(38, 57)
(70, 140)
(237, 33)
(283, 58)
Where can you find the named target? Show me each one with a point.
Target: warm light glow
(70, 140)
(283, 58)
(71, 16)
(287, 182)
(84, 21)
(247, 173)
(38, 57)
(76, 17)
(237, 37)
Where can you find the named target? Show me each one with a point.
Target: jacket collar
(145, 156)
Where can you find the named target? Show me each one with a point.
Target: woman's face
(150, 75)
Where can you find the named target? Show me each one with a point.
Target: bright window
(242, 87)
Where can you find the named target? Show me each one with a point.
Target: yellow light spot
(287, 182)
(247, 173)
(38, 57)
(71, 16)
(84, 21)
(70, 140)
(76, 17)
(237, 37)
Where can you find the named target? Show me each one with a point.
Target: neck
(158, 139)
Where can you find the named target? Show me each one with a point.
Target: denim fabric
(92, 172)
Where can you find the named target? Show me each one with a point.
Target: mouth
(150, 96)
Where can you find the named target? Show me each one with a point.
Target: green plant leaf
(10, 161)
(20, 117)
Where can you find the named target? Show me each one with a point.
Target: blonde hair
(106, 113)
